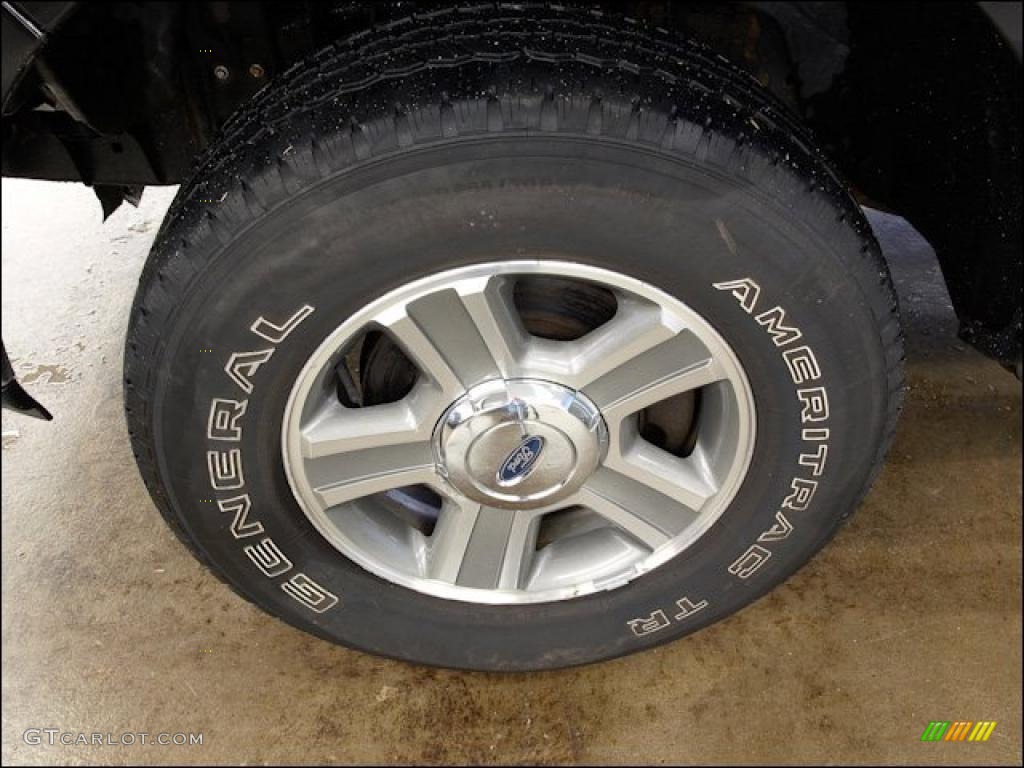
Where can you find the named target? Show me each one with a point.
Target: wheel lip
(722, 351)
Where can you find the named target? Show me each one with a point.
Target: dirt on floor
(110, 627)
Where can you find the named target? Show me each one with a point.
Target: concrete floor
(912, 614)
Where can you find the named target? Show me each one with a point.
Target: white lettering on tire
(658, 620)
(687, 608)
(268, 558)
(803, 367)
(275, 334)
(225, 469)
(750, 561)
(225, 424)
(649, 624)
(224, 416)
(309, 593)
(778, 532)
(239, 506)
(242, 366)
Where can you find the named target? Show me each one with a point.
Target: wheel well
(919, 105)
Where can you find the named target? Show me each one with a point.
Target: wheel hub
(520, 443)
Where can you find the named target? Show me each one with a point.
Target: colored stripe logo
(958, 730)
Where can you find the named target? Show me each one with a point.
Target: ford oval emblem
(518, 464)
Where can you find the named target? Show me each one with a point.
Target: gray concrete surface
(912, 614)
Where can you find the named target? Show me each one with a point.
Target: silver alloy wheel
(510, 430)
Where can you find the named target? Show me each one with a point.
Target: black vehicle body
(919, 104)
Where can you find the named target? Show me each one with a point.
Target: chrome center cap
(520, 443)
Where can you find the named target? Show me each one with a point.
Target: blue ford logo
(518, 464)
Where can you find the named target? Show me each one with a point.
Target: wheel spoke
(337, 429)
(459, 336)
(450, 539)
(650, 535)
(645, 512)
(636, 327)
(482, 547)
(676, 365)
(339, 478)
(489, 302)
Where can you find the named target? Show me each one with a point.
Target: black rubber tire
(586, 138)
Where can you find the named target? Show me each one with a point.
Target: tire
(481, 137)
